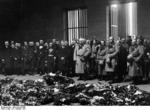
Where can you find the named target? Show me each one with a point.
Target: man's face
(123, 40)
(138, 41)
(19, 45)
(37, 44)
(46, 44)
(83, 42)
(41, 41)
(6, 43)
(62, 43)
(118, 42)
(25, 43)
(57, 42)
(50, 44)
(145, 41)
(16, 44)
(80, 42)
(87, 42)
(111, 40)
(54, 40)
(102, 43)
(66, 43)
(31, 44)
(12, 42)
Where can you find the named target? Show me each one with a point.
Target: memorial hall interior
(74, 52)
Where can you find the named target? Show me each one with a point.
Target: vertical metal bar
(64, 25)
(107, 22)
(68, 26)
(79, 23)
(111, 12)
(82, 23)
(86, 22)
(82, 18)
(72, 24)
(75, 23)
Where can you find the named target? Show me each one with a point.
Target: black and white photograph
(74, 53)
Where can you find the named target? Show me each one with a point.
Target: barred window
(76, 24)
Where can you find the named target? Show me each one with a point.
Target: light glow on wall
(114, 20)
(131, 18)
(114, 5)
(121, 19)
(130, 6)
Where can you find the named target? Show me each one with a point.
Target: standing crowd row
(106, 60)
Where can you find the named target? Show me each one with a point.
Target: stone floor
(145, 87)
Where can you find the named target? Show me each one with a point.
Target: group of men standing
(36, 57)
(108, 60)
(125, 59)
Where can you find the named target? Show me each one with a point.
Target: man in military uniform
(12, 65)
(6, 57)
(86, 55)
(71, 62)
(3, 57)
(36, 57)
(44, 59)
(93, 67)
(30, 57)
(121, 67)
(49, 60)
(139, 61)
(46, 47)
(2, 66)
(101, 59)
(24, 56)
(146, 59)
(17, 59)
(110, 58)
(62, 55)
(41, 42)
(55, 47)
(41, 54)
(68, 63)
